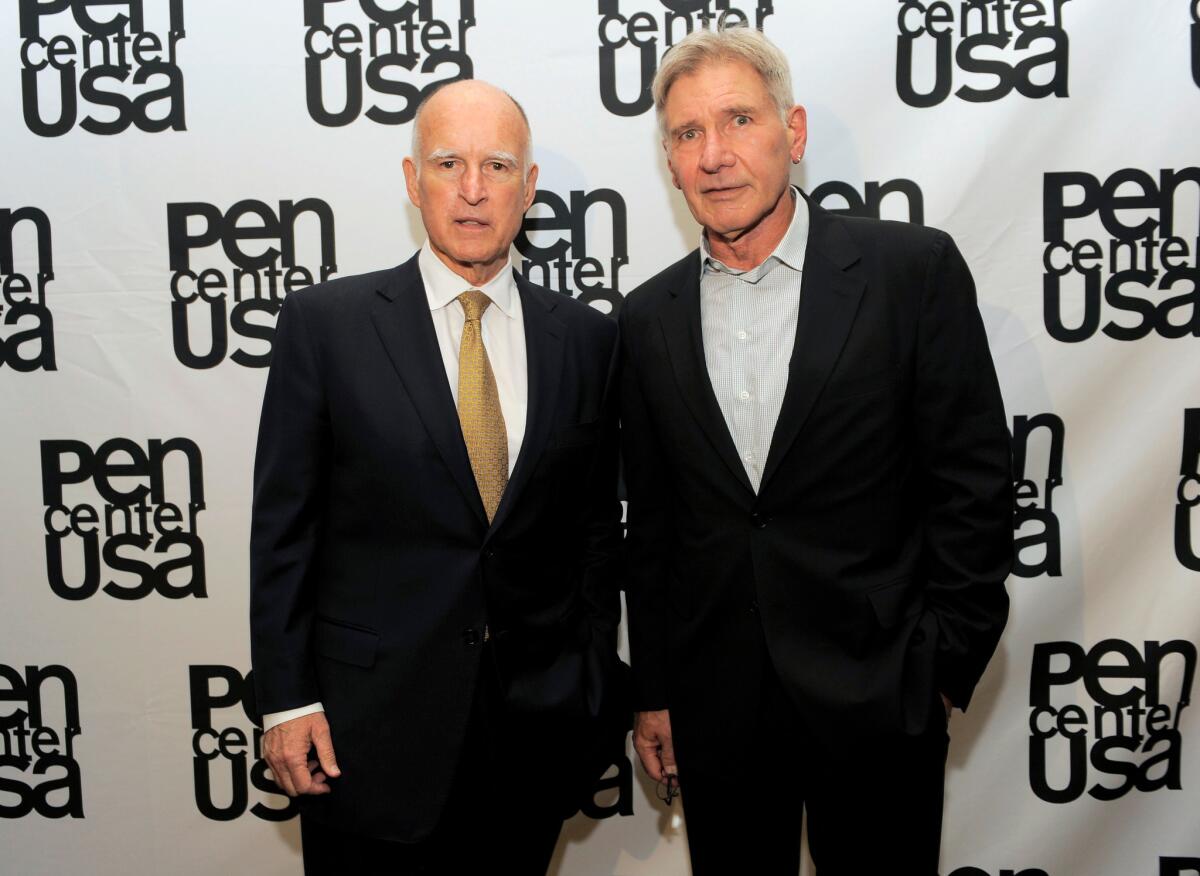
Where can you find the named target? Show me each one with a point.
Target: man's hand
(652, 742)
(286, 747)
(949, 705)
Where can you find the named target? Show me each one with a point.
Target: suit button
(754, 606)
(757, 520)
(489, 554)
(471, 637)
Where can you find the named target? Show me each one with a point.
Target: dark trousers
(874, 807)
(499, 817)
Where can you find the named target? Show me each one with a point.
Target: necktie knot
(474, 303)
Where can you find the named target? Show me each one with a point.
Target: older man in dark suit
(820, 518)
(433, 592)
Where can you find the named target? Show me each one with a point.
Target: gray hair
(419, 156)
(703, 46)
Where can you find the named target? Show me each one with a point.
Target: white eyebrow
(499, 155)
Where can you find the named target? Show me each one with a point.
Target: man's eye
(742, 120)
(688, 135)
(448, 164)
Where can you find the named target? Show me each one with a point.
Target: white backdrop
(1033, 131)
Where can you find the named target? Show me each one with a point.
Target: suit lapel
(544, 337)
(405, 327)
(830, 290)
(680, 319)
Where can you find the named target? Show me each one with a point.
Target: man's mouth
(471, 223)
(718, 191)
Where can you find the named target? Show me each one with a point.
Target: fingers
(667, 753)
(296, 766)
(286, 748)
(647, 751)
(324, 745)
(653, 744)
(319, 784)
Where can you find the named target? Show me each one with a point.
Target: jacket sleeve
(289, 496)
(963, 477)
(648, 536)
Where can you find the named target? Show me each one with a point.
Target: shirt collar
(789, 251)
(443, 286)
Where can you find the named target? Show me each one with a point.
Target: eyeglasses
(668, 789)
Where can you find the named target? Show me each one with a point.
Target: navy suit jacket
(872, 560)
(374, 570)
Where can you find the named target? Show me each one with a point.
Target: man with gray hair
(436, 533)
(820, 509)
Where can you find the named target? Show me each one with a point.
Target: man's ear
(797, 125)
(410, 182)
(530, 186)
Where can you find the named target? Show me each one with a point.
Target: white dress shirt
(503, 330)
(748, 322)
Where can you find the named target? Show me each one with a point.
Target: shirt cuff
(274, 719)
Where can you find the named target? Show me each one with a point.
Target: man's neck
(750, 247)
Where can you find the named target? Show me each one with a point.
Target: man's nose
(472, 185)
(716, 154)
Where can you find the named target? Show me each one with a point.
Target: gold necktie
(479, 406)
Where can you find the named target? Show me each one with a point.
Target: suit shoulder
(573, 312)
(892, 238)
(647, 295)
(339, 294)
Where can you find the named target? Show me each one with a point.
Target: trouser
(873, 807)
(495, 821)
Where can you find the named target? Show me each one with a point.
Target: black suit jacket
(874, 555)
(373, 568)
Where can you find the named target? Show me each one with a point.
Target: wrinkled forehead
(476, 123)
(716, 84)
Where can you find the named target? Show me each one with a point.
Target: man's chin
(731, 223)
(724, 219)
(725, 227)
(475, 258)
(473, 255)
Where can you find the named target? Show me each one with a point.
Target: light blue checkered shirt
(748, 321)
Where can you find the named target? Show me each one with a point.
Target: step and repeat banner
(173, 169)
